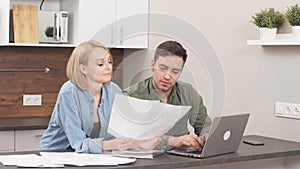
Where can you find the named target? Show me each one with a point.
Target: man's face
(166, 71)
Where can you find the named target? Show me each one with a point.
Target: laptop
(225, 136)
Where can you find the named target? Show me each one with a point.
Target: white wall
(256, 77)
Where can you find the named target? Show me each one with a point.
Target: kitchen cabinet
(20, 140)
(28, 140)
(131, 25)
(7, 141)
(115, 23)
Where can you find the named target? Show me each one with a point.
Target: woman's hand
(119, 144)
(148, 144)
(129, 143)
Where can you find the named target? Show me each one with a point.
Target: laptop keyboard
(194, 151)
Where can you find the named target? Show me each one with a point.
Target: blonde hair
(80, 55)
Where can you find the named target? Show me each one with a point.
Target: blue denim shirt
(72, 119)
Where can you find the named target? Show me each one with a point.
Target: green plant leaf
(49, 31)
(293, 15)
(268, 18)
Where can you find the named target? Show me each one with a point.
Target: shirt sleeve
(164, 145)
(199, 118)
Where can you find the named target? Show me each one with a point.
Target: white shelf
(281, 39)
(38, 44)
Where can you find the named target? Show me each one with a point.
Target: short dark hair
(168, 48)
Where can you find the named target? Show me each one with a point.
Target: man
(167, 66)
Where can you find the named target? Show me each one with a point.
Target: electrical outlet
(290, 110)
(32, 100)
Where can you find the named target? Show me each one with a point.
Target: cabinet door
(132, 23)
(97, 21)
(115, 23)
(28, 140)
(7, 141)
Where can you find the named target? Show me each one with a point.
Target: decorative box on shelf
(281, 39)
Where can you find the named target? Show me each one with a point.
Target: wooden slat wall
(14, 84)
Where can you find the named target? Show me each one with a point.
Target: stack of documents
(60, 159)
(137, 153)
(143, 119)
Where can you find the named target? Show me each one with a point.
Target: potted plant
(49, 31)
(268, 20)
(293, 16)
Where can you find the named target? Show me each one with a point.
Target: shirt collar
(174, 97)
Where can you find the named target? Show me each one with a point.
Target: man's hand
(188, 140)
(202, 139)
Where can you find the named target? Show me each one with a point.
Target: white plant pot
(296, 32)
(267, 34)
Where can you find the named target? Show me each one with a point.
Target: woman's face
(99, 66)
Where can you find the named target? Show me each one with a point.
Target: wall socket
(32, 100)
(290, 110)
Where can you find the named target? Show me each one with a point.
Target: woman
(80, 118)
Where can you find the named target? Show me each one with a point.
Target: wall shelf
(38, 44)
(280, 40)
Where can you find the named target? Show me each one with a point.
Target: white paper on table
(38, 161)
(82, 159)
(27, 160)
(13, 159)
(141, 156)
(143, 119)
(138, 153)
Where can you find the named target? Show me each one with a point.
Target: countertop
(273, 148)
(24, 123)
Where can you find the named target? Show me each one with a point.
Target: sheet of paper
(27, 160)
(39, 162)
(81, 159)
(141, 156)
(13, 159)
(138, 153)
(143, 119)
